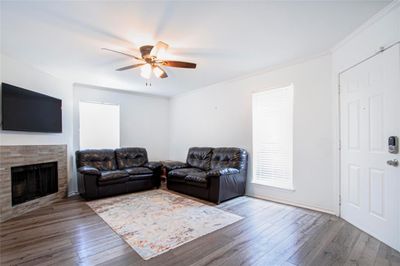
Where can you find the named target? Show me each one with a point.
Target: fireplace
(14, 191)
(33, 181)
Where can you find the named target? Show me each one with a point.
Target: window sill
(275, 186)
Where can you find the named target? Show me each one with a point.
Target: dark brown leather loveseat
(213, 174)
(110, 172)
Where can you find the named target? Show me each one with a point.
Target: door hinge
(340, 145)
(340, 200)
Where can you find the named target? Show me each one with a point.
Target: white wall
(220, 115)
(23, 75)
(380, 31)
(144, 118)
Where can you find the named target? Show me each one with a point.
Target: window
(98, 125)
(273, 138)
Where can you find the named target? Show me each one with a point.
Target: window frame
(289, 185)
(80, 124)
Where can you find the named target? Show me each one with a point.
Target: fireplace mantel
(19, 155)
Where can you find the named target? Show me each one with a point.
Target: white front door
(370, 114)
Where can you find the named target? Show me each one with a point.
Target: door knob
(394, 162)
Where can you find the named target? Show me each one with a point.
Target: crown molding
(276, 67)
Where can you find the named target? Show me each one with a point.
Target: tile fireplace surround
(11, 156)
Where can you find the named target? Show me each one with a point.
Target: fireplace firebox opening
(33, 181)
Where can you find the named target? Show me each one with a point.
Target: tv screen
(25, 110)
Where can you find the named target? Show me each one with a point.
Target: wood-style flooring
(70, 233)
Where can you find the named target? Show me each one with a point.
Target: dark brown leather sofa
(107, 172)
(213, 174)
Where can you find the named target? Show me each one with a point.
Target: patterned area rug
(156, 221)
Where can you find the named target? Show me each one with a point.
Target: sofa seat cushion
(178, 175)
(111, 175)
(139, 171)
(197, 179)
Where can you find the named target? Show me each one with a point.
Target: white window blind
(99, 126)
(273, 137)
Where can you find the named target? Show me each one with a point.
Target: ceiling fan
(150, 63)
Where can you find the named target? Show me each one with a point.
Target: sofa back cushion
(199, 157)
(131, 157)
(229, 158)
(103, 159)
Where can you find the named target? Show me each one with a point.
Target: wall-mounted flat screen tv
(25, 110)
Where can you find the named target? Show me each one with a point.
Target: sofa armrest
(87, 182)
(172, 165)
(88, 170)
(226, 186)
(153, 165)
(222, 171)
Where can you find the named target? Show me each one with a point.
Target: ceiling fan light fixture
(159, 49)
(145, 71)
(158, 72)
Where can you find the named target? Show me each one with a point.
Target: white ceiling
(225, 39)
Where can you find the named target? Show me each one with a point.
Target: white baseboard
(295, 204)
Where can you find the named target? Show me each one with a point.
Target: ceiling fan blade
(138, 58)
(129, 67)
(179, 64)
(158, 47)
(159, 72)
